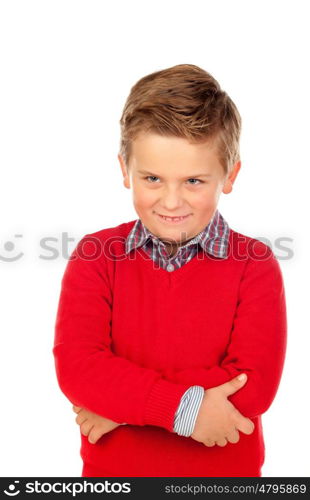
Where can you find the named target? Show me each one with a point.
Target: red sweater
(127, 327)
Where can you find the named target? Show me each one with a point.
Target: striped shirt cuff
(186, 414)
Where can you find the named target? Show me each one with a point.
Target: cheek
(205, 200)
(143, 198)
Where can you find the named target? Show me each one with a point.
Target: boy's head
(179, 149)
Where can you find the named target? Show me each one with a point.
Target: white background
(66, 70)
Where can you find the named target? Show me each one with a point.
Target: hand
(92, 425)
(218, 420)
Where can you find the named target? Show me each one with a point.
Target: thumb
(234, 385)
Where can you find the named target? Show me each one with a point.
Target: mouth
(173, 220)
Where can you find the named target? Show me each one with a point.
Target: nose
(172, 200)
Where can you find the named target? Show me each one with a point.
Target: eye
(152, 177)
(200, 182)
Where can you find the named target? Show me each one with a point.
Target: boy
(159, 316)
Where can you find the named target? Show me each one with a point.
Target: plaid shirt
(212, 239)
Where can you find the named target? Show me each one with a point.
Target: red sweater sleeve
(257, 343)
(88, 372)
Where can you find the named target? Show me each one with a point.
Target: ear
(228, 183)
(126, 179)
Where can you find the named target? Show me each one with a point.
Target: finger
(108, 426)
(77, 409)
(245, 425)
(233, 385)
(86, 427)
(221, 442)
(94, 435)
(233, 437)
(81, 418)
(209, 443)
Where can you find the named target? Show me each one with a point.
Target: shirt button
(170, 267)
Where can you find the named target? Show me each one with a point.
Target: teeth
(173, 218)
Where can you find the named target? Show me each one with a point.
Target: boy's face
(171, 177)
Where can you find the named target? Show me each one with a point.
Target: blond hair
(182, 101)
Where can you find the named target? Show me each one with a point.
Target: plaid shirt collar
(213, 238)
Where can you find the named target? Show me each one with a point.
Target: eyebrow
(187, 177)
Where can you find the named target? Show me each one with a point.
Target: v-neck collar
(170, 278)
(212, 239)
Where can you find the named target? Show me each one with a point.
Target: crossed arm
(217, 421)
(85, 363)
